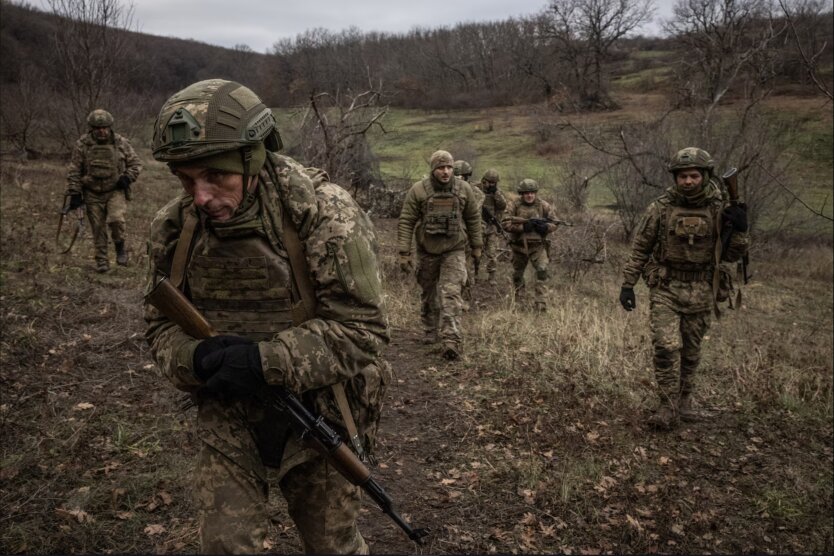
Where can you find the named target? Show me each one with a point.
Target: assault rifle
(490, 218)
(173, 304)
(520, 220)
(730, 179)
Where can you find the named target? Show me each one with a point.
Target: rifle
(172, 303)
(520, 220)
(490, 218)
(730, 179)
(75, 229)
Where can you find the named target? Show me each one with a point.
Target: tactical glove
(75, 200)
(235, 370)
(123, 182)
(211, 345)
(541, 227)
(627, 299)
(736, 216)
(405, 263)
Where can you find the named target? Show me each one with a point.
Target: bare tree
(809, 12)
(584, 33)
(90, 47)
(25, 103)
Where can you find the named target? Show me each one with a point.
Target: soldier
(463, 170)
(525, 219)
(494, 204)
(102, 167)
(677, 248)
(443, 212)
(237, 241)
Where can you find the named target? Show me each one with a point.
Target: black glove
(541, 227)
(490, 188)
(215, 343)
(736, 216)
(529, 226)
(75, 200)
(627, 299)
(235, 370)
(123, 182)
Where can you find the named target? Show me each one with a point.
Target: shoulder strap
(301, 275)
(717, 254)
(183, 249)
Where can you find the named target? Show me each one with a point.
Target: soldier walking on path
(494, 205)
(526, 221)
(677, 248)
(463, 170)
(102, 167)
(442, 212)
(283, 263)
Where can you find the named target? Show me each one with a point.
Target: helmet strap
(249, 185)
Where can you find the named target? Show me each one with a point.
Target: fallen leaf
(76, 514)
(125, 515)
(664, 460)
(154, 529)
(83, 405)
(634, 523)
(166, 498)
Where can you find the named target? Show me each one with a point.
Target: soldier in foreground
(493, 206)
(442, 211)
(678, 250)
(463, 170)
(102, 167)
(526, 220)
(284, 265)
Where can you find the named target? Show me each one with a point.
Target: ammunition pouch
(443, 215)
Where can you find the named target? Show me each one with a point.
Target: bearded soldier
(251, 232)
(526, 221)
(442, 211)
(494, 205)
(463, 170)
(677, 248)
(101, 169)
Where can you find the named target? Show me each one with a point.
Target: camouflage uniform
(529, 247)
(495, 203)
(674, 250)
(94, 170)
(445, 218)
(239, 275)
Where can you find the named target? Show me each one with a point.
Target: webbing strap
(717, 254)
(183, 249)
(301, 275)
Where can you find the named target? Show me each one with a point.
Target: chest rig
(688, 237)
(102, 166)
(443, 212)
(528, 242)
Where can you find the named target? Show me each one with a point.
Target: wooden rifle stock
(172, 303)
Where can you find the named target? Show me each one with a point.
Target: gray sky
(259, 23)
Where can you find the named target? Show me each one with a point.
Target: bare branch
(794, 195)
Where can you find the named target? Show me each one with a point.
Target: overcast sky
(260, 23)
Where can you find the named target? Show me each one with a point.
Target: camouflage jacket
(513, 222)
(344, 341)
(78, 177)
(412, 218)
(646, 258)
(495, 203)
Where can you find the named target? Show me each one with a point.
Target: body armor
(687, 242)
(102, 166)
(443, 212)
(528, 242)
(241, 284)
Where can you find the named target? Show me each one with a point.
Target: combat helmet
(212, 117)
(527, 185)
(100, 118)
(462, 168)
(491, 175)
(691, 157)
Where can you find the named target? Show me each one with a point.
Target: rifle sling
(183, 249)
(307, 310)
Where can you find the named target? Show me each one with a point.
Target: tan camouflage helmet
(527, 185)
(211, 117)
(100, 118)
(491, 175)
(462, 168)
(691, 157)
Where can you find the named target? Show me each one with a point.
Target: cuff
(275, 360)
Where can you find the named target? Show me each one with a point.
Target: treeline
(58, 66)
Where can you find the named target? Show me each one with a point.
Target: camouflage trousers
(105, 210)
(232, 488)
(491, 251)
(676, 339)
(538, 258)
(441, 278)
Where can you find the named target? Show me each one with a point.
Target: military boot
(429, 338)
(665, 417)
(685, 410)
(121, 253)
(102, 266)
(540, 307)
(451, 351)
(491, 280)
